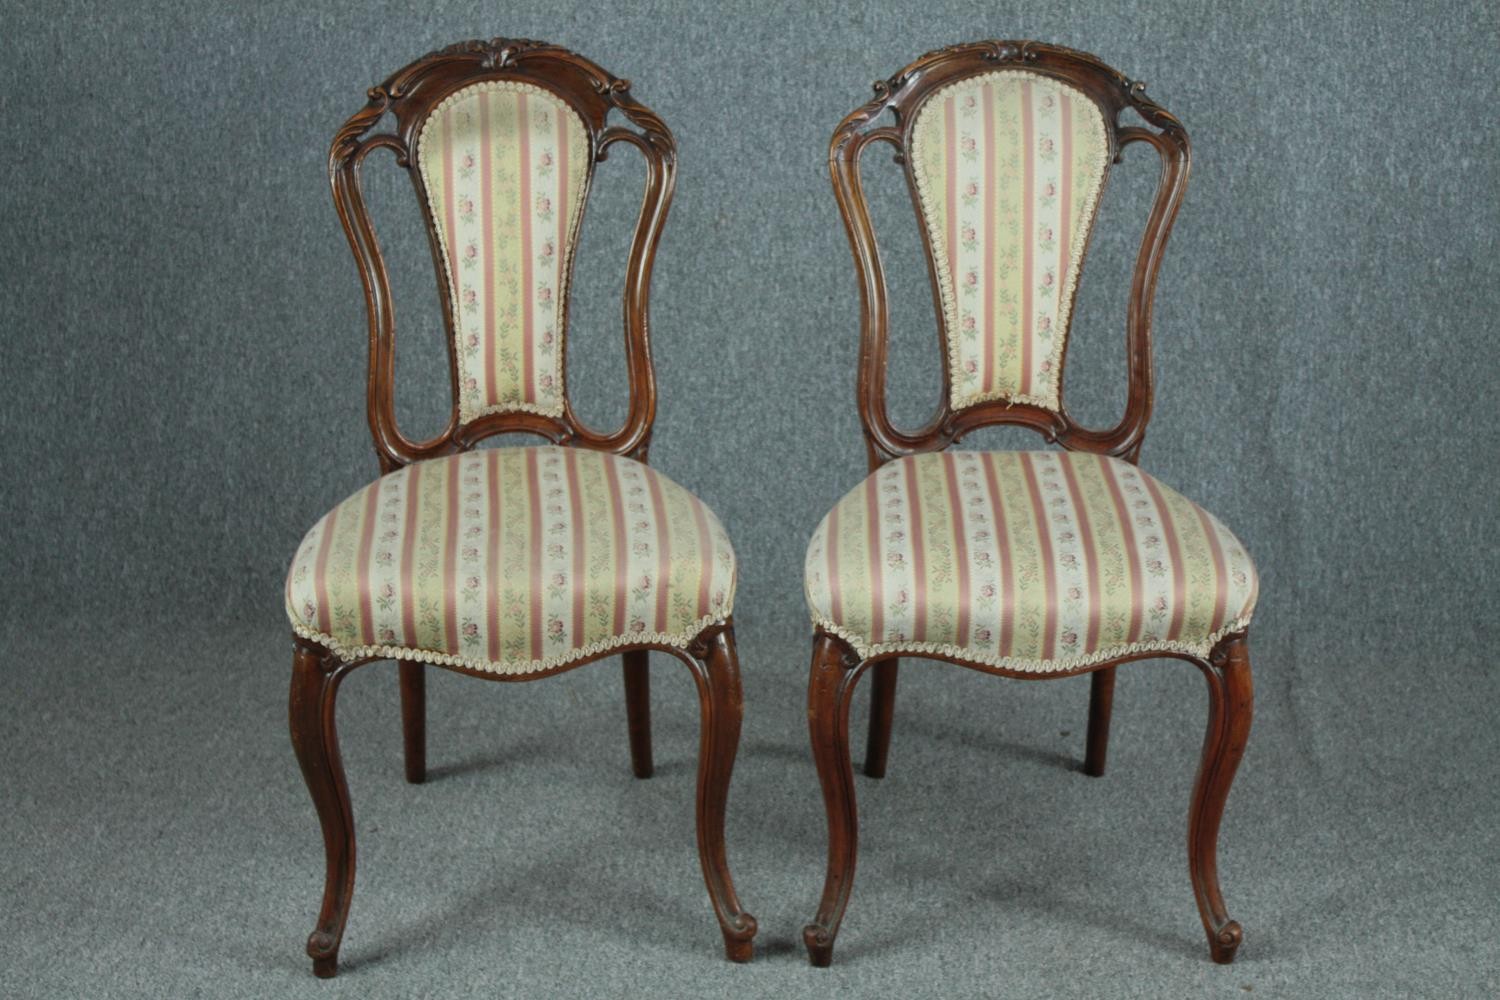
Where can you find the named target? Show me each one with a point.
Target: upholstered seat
(1038, 561)
(511, 560)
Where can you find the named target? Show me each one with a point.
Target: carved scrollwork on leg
(830, 688)
(316, 675)
(716, 669)
(1230, 703)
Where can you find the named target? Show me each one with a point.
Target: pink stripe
(877, 567)
(320, 573)
(1090, 557)
(1028, 234)
(622, 568)
(497, 543)
(575, 505)
(705, 551)
(950, 157)
(450, 559)
(487, 221)
(918, 555)
(1044, 545)
(1132, 553)
(960, 547)
(1002, 544)
(1221, 570)
(535, 573)
(835, 602)
(1174, 551)
(1065, 196)
(990, 184)
(409, 559)
(663, 550)
(362, 571)
(523, 126)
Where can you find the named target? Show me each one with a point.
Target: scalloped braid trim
(467, 410)
(947, 290)
(1200, 650)
(509, 667)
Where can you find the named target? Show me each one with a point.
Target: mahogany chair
(1028, 564)
(511, 563)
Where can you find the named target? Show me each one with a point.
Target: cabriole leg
(315, 681)
(716, 669)
(1230, 699)
(835, 668)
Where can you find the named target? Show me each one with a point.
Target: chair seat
(1034, 561)
(511, 560)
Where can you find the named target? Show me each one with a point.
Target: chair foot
(1223, 945)
(819, 941)
(1230, 702)
(739, 942)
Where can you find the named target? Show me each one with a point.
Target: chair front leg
(316, 675)
(414, 720)
(830, 688)
(638, 710)
(882, 710)
(717, 672)
(1230, 699)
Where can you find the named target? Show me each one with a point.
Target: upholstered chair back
(506, 165)
(1009, 167)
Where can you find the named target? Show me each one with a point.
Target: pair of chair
(522, 562)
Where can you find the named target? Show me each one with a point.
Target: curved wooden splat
(409, 96)
(902, 95)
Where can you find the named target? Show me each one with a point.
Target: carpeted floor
(158, 840)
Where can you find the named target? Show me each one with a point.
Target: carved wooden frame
(407, 97)
(836, 667)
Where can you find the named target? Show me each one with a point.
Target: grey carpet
(159, 842)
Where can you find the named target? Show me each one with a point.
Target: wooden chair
(512, 563)
(1022, 564)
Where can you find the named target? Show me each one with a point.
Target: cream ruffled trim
(1197, 649)
(466, 411)
(1053, 400)
(510, 667)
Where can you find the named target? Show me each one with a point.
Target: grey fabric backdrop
(183, 351)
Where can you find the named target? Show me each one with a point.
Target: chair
(511, 563)
(1028, 564)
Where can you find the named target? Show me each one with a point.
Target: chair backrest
(500, 139)
(1006, 147)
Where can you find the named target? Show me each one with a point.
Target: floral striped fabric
(1036, 561)
(511, 560)
(506, 167)
(1008, 166)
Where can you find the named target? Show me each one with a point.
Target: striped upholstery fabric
(511, 560)
(1035, 561)
(1008, 168)
(506, 167)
